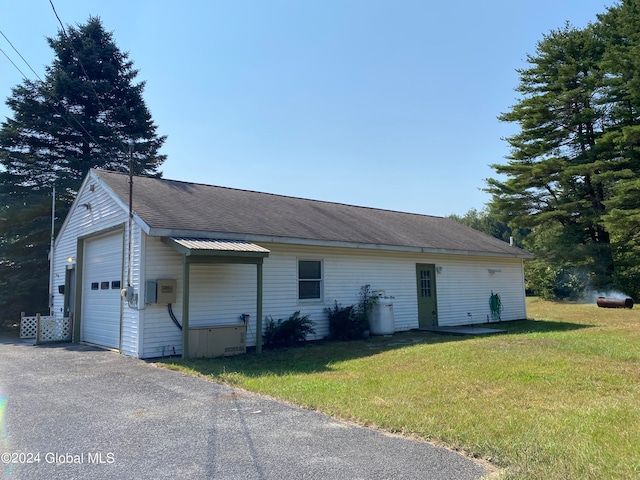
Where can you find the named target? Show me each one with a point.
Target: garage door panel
(101, 302)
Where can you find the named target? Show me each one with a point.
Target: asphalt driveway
(70, 411)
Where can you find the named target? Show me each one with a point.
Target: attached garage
(101, 285)
(308, 255)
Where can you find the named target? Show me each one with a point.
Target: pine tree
(620, 27)
(84, 114)
(557, 172)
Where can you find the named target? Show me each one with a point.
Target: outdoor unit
(206, 342)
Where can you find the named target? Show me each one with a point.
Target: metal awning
(213, 251)
(191, 247)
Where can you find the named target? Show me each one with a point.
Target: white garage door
(101, 284)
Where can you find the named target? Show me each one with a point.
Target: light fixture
(86, 205)
(439, 269)
(494, 270)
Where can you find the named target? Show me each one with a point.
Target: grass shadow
(318, 356)
(538, 326)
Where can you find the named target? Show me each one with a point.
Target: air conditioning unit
(217, 341)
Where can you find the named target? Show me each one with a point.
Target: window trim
(319, 299)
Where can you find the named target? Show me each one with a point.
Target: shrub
(289, 332)
(366, 301)
(346, 323)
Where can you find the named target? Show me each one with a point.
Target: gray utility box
(162, 291)
(217, 341)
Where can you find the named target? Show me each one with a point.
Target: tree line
(569, 191)
(571, 182)
(84, 113)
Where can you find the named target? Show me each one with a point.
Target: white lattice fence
(46, 328)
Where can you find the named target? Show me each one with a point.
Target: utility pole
(129, 233)
(53, 223)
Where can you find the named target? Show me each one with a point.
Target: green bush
(346, 323)
(555, 282)
(289, 332)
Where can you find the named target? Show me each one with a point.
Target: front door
(427, 304)
(69, 292)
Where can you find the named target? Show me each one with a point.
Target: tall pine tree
(620, 28)
(84, 114)
(554, 172)
(573, 174)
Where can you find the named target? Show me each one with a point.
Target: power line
(84, 71)
(12, 62)
(62, 116)
(56, 14)
(20, 55)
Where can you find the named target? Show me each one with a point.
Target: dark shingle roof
(170, 205)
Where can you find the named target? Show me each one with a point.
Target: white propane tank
(381, 321)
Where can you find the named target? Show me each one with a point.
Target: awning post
(259, 312)
(185, 307)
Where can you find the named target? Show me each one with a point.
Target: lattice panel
(28, 327)
(54, 329)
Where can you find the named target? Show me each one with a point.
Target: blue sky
(388, 104)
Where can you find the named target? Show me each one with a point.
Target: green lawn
(555, 398)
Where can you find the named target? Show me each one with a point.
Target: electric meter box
(166, 291)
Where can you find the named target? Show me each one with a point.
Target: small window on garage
(104, 286)
(115, 284)
(95, 286)
(309, 279)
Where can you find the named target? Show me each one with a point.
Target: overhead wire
(20, 55)
(61, 114)
(12, 62)
(84, 71)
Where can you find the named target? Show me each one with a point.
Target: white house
(226, 259)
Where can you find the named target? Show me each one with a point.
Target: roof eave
(162, 232)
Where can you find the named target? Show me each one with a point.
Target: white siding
(159, 334)
(131, 313)
(463, 285)
(221, 293)
(104, 214)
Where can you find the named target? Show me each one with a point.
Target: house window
(309, 279)
(425, 283)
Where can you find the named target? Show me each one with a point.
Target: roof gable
(172, 206)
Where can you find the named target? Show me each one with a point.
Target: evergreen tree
(557, 172)
(84, 114)
(489, 222)
(620, 28)
(573, 175)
